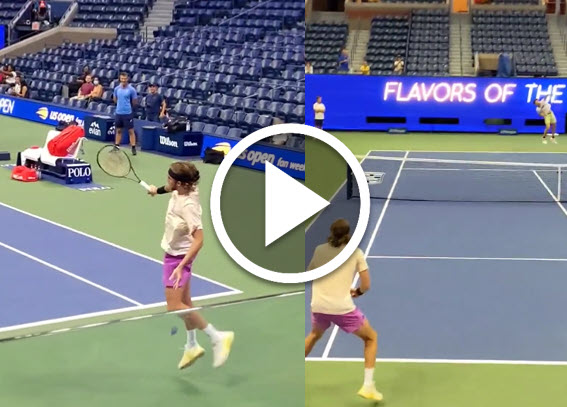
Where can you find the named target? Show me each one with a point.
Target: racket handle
(142, 183)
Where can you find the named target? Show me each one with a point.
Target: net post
(349, 183)
(559, 171)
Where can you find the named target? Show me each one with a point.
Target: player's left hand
(353, 293)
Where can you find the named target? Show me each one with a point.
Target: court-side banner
(292, 162)
(455, 104)
(2, 36)
(38, 111)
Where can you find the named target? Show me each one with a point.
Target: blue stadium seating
(323, 45)
(233, 68)
(9, 9)
(124, 15)
(523, 33)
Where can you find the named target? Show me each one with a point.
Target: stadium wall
(56, 37)
(370, 10)
(442, 104)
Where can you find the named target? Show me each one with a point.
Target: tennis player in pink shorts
(182, 241)
(332, 303)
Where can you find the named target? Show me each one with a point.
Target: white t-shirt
(319, 109)
(544, 108)
(182, 219)
(331, 293)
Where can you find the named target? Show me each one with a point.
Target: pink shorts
(349, 323)
(169, 264)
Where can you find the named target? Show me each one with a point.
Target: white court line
(467, 258)
(370, 243)
(551, 193)
(334, 195)
(476, 169)
(68, 273)
(111, 244)
(104, 313)
(446, 361)
(473, 152)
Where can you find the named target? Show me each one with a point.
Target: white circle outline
(232, 250)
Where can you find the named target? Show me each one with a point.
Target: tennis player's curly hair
(188, 171)
(340, 230)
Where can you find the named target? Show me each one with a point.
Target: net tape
(431, 179)
(48, 332)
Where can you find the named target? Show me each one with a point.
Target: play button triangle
(288, 203)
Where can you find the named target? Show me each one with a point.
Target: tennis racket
(116, 163)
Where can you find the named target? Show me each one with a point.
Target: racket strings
(114, 162)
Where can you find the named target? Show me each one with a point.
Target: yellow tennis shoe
(369, 392)
(190, 356)
(221, 348)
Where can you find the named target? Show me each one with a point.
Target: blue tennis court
(52, 272)
(454, 279)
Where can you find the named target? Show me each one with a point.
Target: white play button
(288, 203)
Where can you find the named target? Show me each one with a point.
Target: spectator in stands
(20, 88)
(98, 90)
(9, 74)
(126, 98)
(74, 87)
(41, 12)
(155, 105)
(308, 67)
(365, 68)
(399, 65)
(343, 61)
(319, 109)
(86, 89)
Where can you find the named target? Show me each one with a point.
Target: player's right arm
(363, 274)
(364, 284)
(153, 191)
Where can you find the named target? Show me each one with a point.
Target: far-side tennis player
(182, 240)
(544, 110)
(331, 302)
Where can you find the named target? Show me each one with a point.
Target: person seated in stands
(9, 74)
(155, 105)
(365, 68)
(42, 12)
(97, 91)
(86, 89)
(308, 67)
(73, 87)
(20, 88)
(399, 65)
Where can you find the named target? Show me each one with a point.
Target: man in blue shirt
(343, 61)
(155, 105)
(126, 98)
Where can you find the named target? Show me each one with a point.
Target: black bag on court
(175, 125)
(213, 156)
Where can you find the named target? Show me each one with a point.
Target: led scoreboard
(455, 104)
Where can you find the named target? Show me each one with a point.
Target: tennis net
(424, 179)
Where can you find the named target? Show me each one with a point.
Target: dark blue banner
(290, 161)
(455, 104)
(2, 36)
(40, 112)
